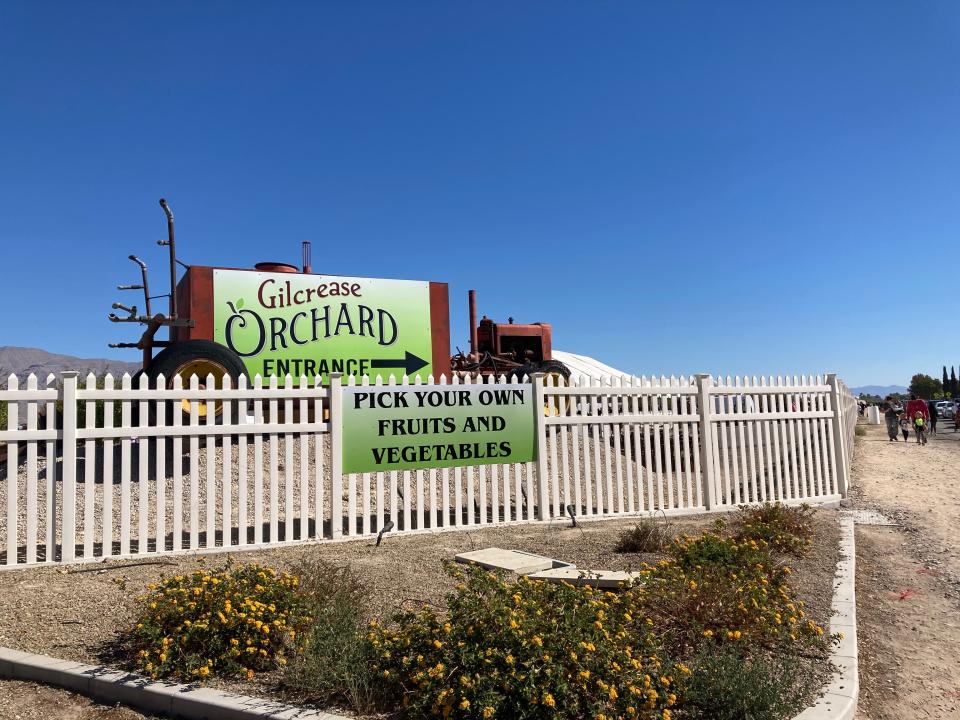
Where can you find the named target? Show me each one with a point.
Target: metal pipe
(472, 302)
(145, 284)
(173, 259)
(307, 266)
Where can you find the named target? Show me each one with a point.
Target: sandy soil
(76, 612)
(908, 596)
(29, 701)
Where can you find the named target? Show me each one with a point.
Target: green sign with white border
(408, 427)
(290, 323)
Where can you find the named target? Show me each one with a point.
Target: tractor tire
(197, 357)
(554, 367)
(547, 367)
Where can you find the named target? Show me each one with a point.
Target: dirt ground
(908, 594)
(75, 613)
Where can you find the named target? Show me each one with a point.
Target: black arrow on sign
(410, 363)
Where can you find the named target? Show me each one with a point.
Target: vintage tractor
(507, 349)
(279, 319)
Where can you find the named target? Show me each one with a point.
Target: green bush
(732, 683)
(785, 529)
(525, 649)
(337, 662)
(647, 536)
(229, 621)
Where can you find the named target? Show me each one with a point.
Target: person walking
(905, 428)
(920, 428)
(892, 417)
(932, 409)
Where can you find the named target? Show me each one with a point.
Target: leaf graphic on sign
(240, 304)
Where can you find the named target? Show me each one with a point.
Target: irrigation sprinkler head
(388, 526)
(572, 512)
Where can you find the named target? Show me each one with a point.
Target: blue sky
(678, 187)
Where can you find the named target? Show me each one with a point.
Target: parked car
(946, 408)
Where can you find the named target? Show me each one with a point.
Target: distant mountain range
(881, 390)
(23, 361)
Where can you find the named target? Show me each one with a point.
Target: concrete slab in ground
(869, 517)
(608, 579)
(521, 563)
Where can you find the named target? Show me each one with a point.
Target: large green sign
(426, 426)
(281, 323)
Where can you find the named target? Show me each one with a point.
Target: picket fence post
(336, 455)
(540, 428)
(704, 383)
(839, 443)
(68, 478)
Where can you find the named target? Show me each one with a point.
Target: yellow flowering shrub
(229, 621)
(525, 649)
(784, 529)
(714, 589)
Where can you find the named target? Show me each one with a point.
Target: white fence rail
(96, 470)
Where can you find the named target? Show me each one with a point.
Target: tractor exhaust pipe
(307, 266)
(472, 302)
(173, 259)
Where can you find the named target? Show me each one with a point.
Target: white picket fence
(139, 476)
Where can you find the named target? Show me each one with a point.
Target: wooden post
(706, 441)
(336, 455)
(540, 428)
(68, 478)
(839, 436)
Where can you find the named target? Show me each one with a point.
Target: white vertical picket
(50, 473)
(587, 433)
(89, 469)
(273, 453)
(194, 463)
(336, 455)
(647, 463)
(318, 451)
(457, 477)
(226, 509)
(628, 448)
(564, 405)
(258, 463)
(304, 414)
(576, 435)
(242, 478)
(210, 493)
(12, 481)
(379, 499)
(125, 416)
(30, 524)
(160, 482)
(289, 513)
(177, 419)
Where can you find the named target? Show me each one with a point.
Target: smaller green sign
(428, 426)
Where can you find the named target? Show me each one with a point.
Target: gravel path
(908, 597)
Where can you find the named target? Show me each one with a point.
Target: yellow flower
(464, 704)
(708, 633)
(548, 700)
(488, 712)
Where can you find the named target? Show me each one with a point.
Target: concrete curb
(178, 701)
(839, 699)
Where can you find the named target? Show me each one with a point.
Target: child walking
(920, 428)
(905, 429)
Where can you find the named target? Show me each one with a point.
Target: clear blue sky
(677, 187)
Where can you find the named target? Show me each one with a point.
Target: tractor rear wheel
(201, 358)
(558, 371)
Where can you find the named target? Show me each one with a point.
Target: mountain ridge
(22, 361)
